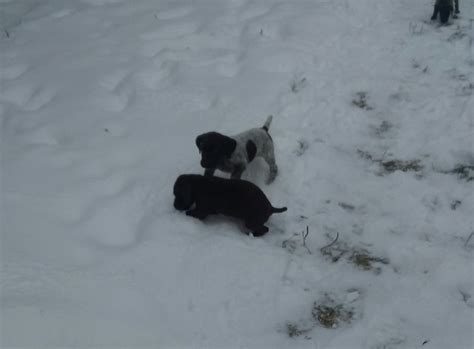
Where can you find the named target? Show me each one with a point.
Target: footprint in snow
(113, 80)
(173, 13)
(27, 96)
(40, 98)
(171, 31)
(13, 71)
(62, 13)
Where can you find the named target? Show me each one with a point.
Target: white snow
(100, 103)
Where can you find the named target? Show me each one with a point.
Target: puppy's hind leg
(196, 213)
(257, 230)
(237, 172)
(270, 159)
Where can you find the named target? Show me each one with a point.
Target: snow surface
(101, 101)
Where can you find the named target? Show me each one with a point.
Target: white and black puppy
(233, 154)
(445, 8)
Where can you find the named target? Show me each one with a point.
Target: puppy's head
(214, 148)
(183, 195)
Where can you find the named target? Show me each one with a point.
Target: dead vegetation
(465, 172)
(331, 310)
(359, 257)
(294, 331)
(365, 261)
(390, 166)
(330, 313)
(401, 165)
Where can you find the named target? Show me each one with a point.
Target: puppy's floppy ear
(228, 146)
(185, 191)
(200, 141)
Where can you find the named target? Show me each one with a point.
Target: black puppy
(231, 197)
(445, 8)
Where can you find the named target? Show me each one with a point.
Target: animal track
(174, 13)
(39, 99)
(62, 13)
(113, 80)
(171, 31)
(13, 71)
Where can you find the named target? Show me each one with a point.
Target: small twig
(468, 239)
(332, 243)
(304, 238)
(6, 33)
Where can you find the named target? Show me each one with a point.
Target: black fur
(445, 8)
(214, 147)
(230, 197)
(251, 150)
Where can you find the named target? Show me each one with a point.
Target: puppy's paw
(260, 231)
(272, 175)
(196, 214)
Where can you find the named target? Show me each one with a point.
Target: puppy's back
(235, 197)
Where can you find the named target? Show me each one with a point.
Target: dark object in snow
(233, 154)
(364, 260)
(445, 8)
(294, 331)
(455, 204)
(401, 165)
(230, 197)
(465, 172)
(361, 101)
(297, 85)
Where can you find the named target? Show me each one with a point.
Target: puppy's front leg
(197, 213)
(209, 172)
(237, 172)
(435, 12)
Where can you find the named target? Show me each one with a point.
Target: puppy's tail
(278, 209)
(267, 123)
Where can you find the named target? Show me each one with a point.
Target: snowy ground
(101, 101)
